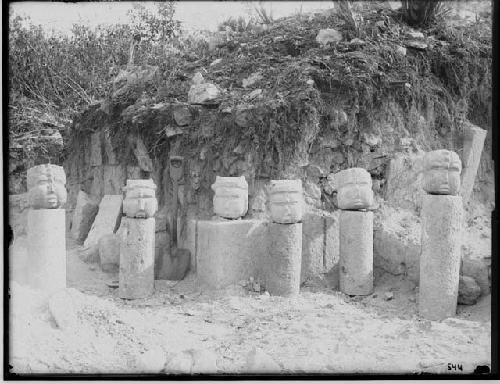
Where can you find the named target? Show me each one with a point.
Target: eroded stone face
(442, 172)
(231, 196)
(354, 189)
(140, 199)
(286, 201)
(46, 186)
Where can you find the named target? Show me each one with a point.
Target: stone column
(356, 252)
(137, 242)
(46, 232)
(355, 196)
(283, 266)
(442, 217)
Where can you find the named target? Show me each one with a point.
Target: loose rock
(468, 291)
(62, 310)
(327, 36)
(260, 362)
(151, 361)
(180, 363)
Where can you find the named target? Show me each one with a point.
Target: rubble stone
(327, 36)
(468, 291)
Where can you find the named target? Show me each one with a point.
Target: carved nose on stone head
(141, 203)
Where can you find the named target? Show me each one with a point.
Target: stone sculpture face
(442, 172)
(46, 187)
(140, 199)
(286, 201)
(176, 168)
(231, 197)
(354, 189)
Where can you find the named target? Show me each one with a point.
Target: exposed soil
(321, 331)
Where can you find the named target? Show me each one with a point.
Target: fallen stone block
(260, 362)
(229, 251)
(477, 269)
(473, 146)
(151, 361)
(468, 291)
(180, 363)
(83, 216)
(107, 220)
(204, 361)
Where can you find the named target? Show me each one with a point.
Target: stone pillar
(137, 240)
(137, 255)
(442, 217)
(46, 233)
(473, 146)
(282, 267)
(46, 267)
(354, 197)
(356, 252)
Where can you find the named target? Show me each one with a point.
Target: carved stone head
(286, 201)
(354, 188)
(442, 172)
(46, 186)
(140, 199)
(231, 196)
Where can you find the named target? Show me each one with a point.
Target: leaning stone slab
(473, 146)
(107, 219)
(442, 217)
(229, 251)
(83, 216)
(109, 252)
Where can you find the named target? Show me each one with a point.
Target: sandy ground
(181, 329)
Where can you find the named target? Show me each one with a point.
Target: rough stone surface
(440, 259)
(18, 213)
(63, 311)
(113, 179)
(286, 201)
(137, 258)
(260, 362)
(356, 252)
(47, 249)
(107, 219)
(182, 115)
(283, 262)
(83, 216)
(229, 251)
(468, 291)
(404, 181)
(203, 93)
(95, 149)
(327, 36)
(109, 252)
(442, 172)
(141, 153)
(151, 361)
(473, 146)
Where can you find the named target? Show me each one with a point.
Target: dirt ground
(183, 330)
